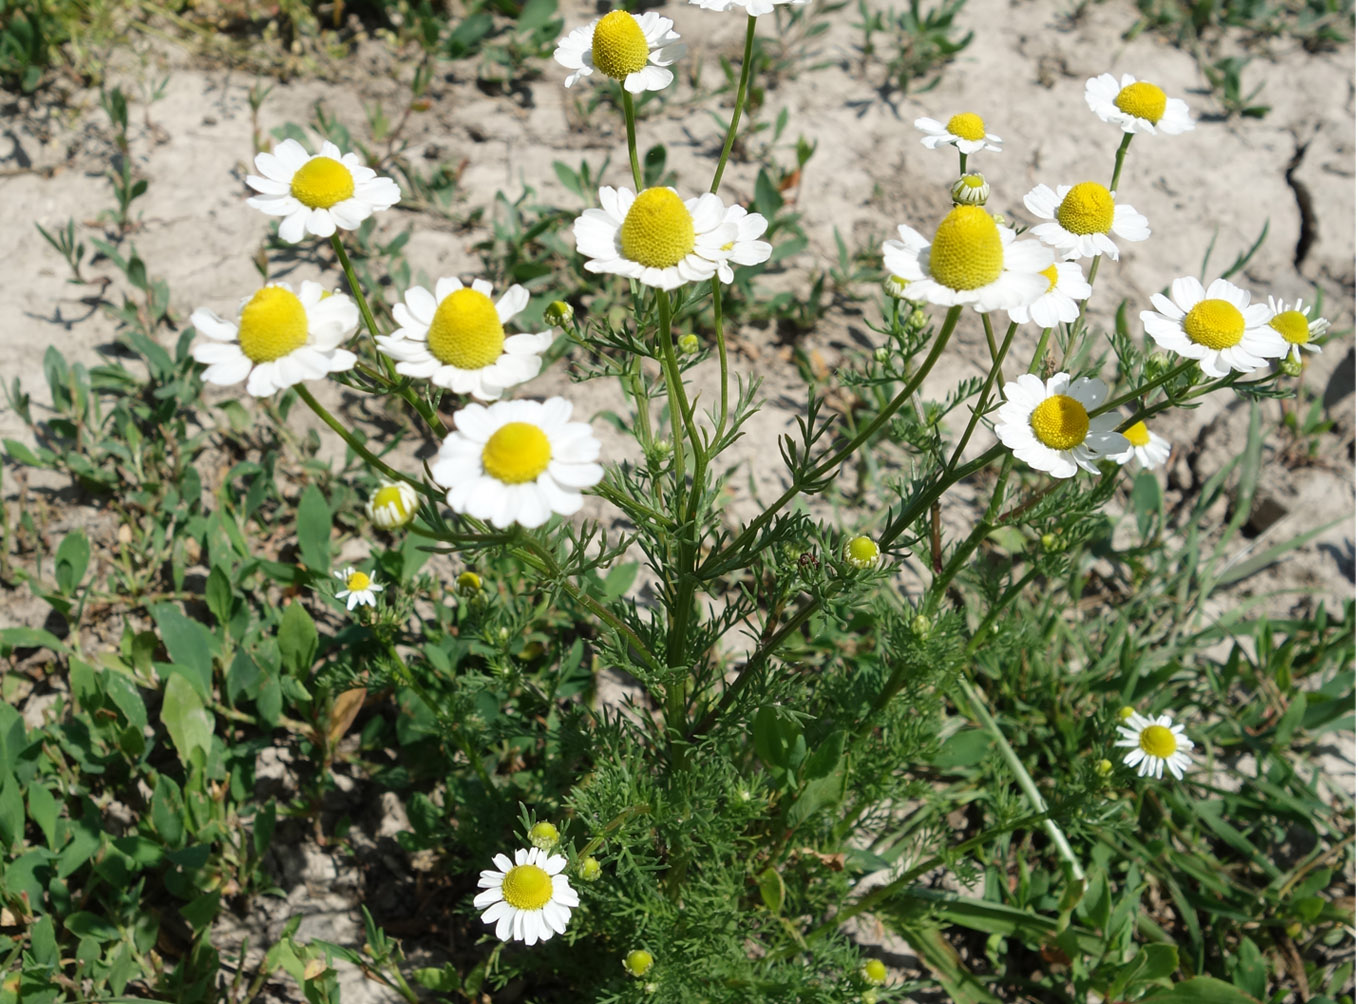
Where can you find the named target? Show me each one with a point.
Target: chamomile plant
(792, 672)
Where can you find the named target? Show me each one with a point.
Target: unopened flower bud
(1288, 366)
(862, 552)
(688, 344)
(469, 583)
(881, 354)
(544, 835)
(638, 962)
(921, 626)
(393, 505)
(1104, 767)
(1157, 365)
(970, 190)
(874, 971)
(558, 313)
(1126, 711)
(590, 870)
(894, 286)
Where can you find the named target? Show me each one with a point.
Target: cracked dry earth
(1025, 70)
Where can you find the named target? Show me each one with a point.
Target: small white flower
(517, 462)
(1049, 428)
(360, 588)
(753, 8)
(1065, 285)
(966, 131)
(280, 338)
(317, 193)
(455, 338)
(1147, 448)
(1135, 105)
(528, 899)
(662, 241)
(1083, 216)
(634, 49)
(970, 260)
(393, 505)
(970, 190)
(1156, 744)
(1219, 327)
(1296, 326)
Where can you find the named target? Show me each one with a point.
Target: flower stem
(721, 358)
(740, 103)
(368, 320)
(1117, 160)
(1144, 389)
(629, 113)
(353, 443)
(984, 399)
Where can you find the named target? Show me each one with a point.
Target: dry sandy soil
(1025, 72)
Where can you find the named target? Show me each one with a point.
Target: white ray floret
(317, 193)
(1066, 286)
(1083, 219)
(635, 49)
(1217, 326)
(528, 899)
(279, 338)
(966, 131)
(1048, 426)
(1136, 105)
(1295, 325)
(1156, 744)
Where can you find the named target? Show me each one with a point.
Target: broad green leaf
(771, 889)
(167, 811)
(43, 810)
(11, 812)
(1200, 990)
(313, 529)
(72, 559)
(190, 644)
(942, 959)
(297, 640)
(187, 719)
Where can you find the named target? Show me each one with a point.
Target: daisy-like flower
(1149, 449)
(1218, 326)
(528, 899)
(1065, 285)
(633, 49)
(970, 260)
(360, 588)
(1082, 218)
(456, 338)
(1136, 105)
(663, 241)
(1296, 326)
(751, 7)
(517, 462)
(279, 339)
(393, 505)
(862, 552)
(1156, 744)
(317, 193)
(1049, 428)
(966, 131)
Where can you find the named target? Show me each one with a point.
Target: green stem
(713, 565)
(984, 400)
(1036, 364)
(629, 113)
(1117, 160)
(721, 358)
(1144, 389)
(1025, 780)
(369, 321)
(352, 441)
(740, 103)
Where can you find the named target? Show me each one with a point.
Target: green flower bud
(638, 962)
(1289, 366)
(970, 190)
(558, 313)
(544, 836)
(590, 870)
(874, 971)
(688, 344)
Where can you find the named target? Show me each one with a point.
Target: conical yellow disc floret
(658, 230)
(1060, 422)
(967, 125)
(357, 581)
(1215, 323)
(527, 887)
(272, 324)
(966, 252)
(1145, 101)
(1159, 742)
(1138, 434)
(466, 330)
(1049, 273)
(1086, 209)
(1293, 326)
(322, 182)
(619, 46)
(516, 453)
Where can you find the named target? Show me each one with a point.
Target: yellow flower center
(1158, 741)
(619, 46)
(527, 887)
(272, 324)
(1060, 422)
(1145, 101)
(863, 549)
(967, 126)
(1050, 273)
(357, 582)
(1293, 326)
(391, 496)
(516, 452)
(966, 252)
(1215, 323)
(1126, 711)
(658, 230)
(322, 182)
(466, 330)
(1138, 435)
(1086, 209)
(469, 582)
